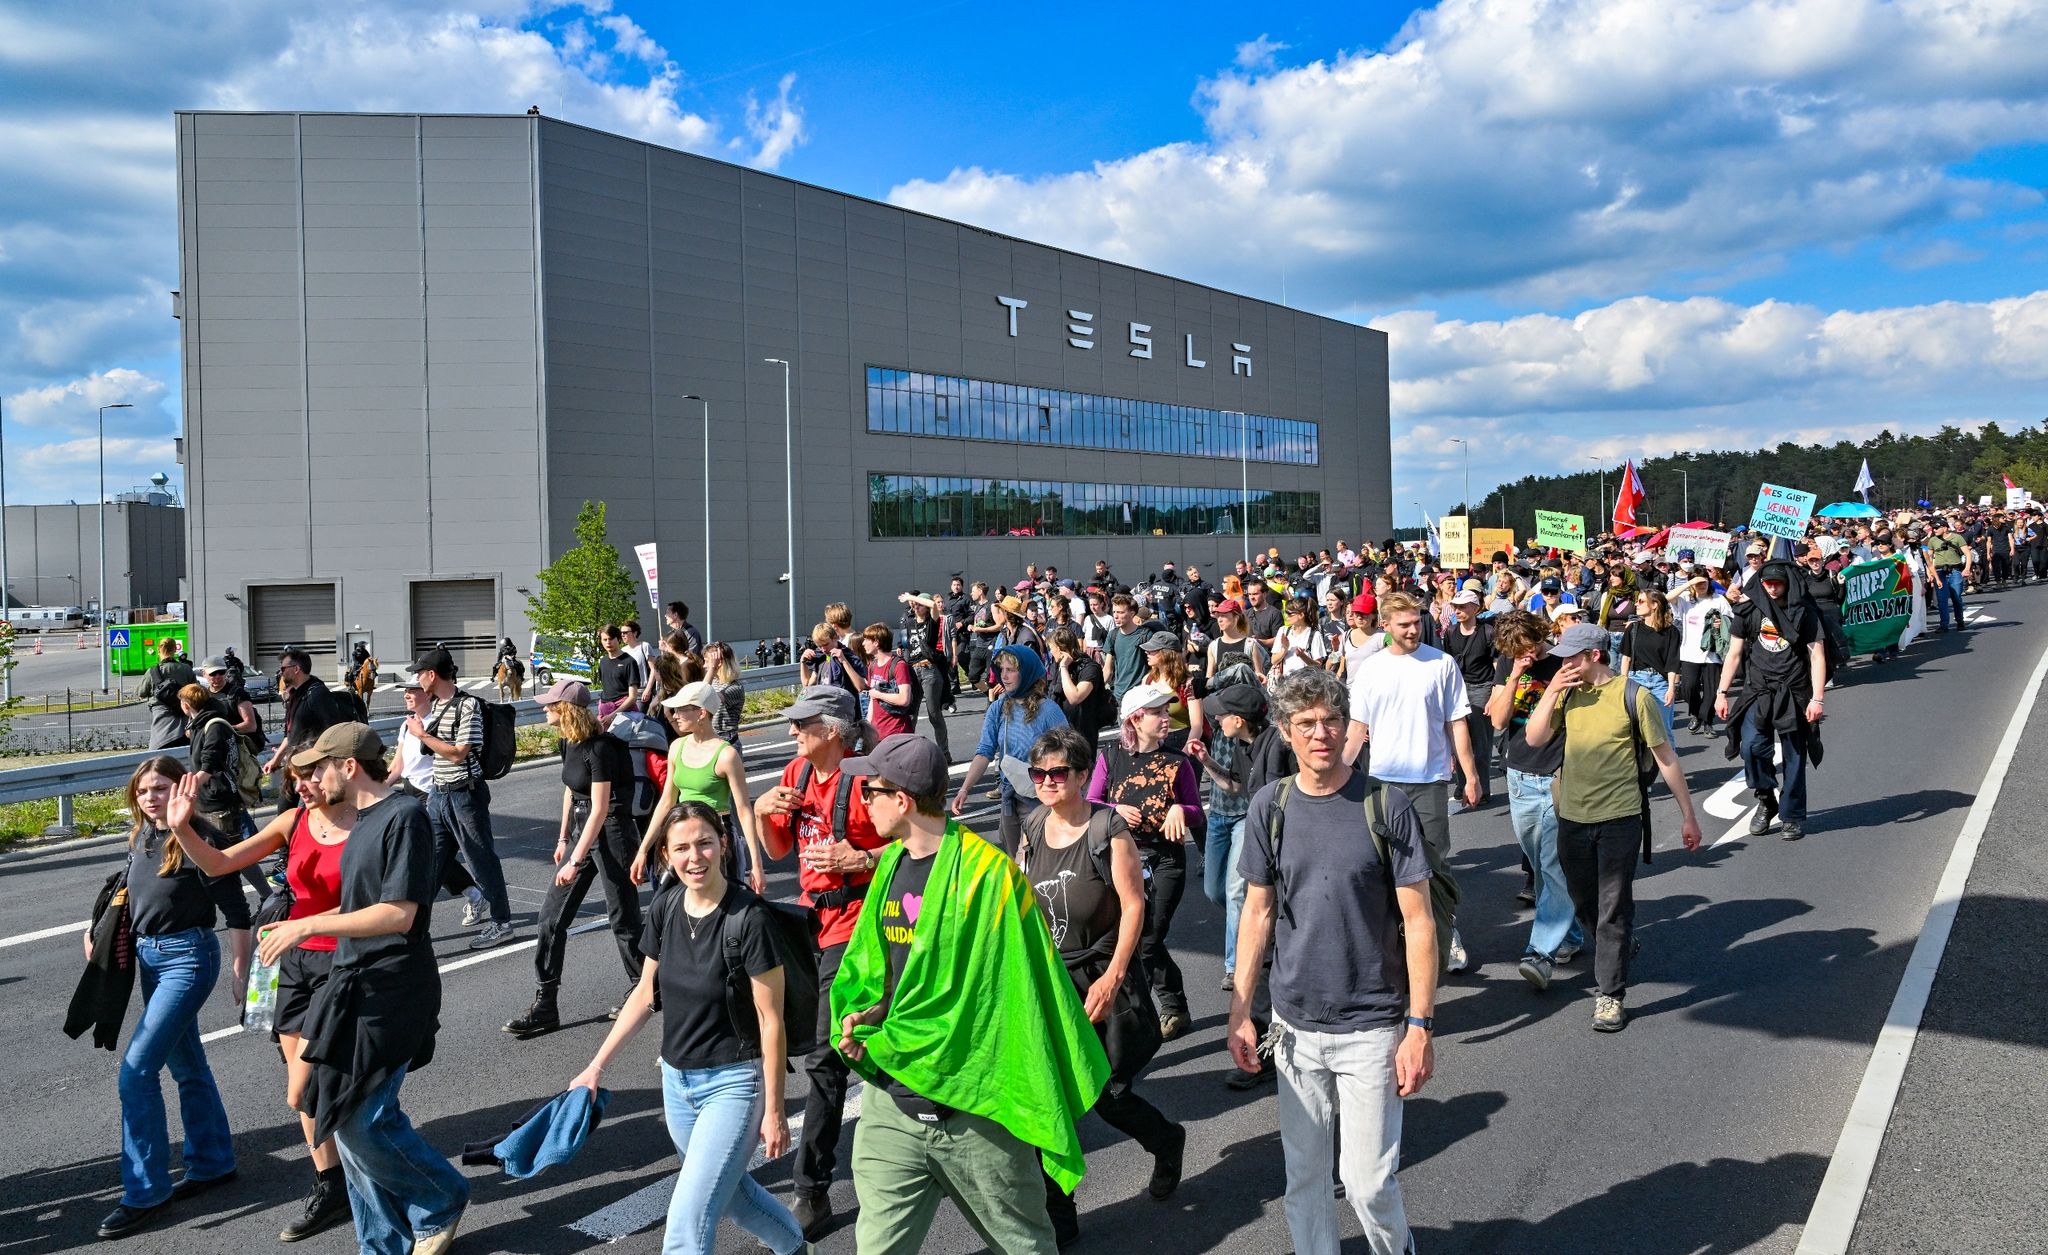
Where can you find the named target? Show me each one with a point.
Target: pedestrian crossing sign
(117, 639)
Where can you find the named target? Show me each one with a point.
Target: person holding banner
(1776, 647)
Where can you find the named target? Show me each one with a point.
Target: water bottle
(259, 1005)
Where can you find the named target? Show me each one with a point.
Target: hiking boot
(539, 1018)
(1608, 1015)
(813, 1212)
(1566, 953)
(1166, 1167)
(1760, 822)
(326, 1207)
(1791, 830)
(1172, 1024)
(1535, 969)
(493, 935)
(474, 911)
(1458, 961)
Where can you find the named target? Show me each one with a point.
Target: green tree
(586, 588)
(6, 668)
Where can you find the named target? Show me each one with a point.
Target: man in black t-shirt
(1776, 645)
(1469, 642)
(375, 1018)
(618, 674)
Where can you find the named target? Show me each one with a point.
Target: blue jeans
(1659, 686)
(714, 1118)
(462, 821)
(402, 1190)
(1534, 815)
(1220, 882)
(1948, 590)
(1762, 771)
(178, 972)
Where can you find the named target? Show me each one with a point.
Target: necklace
(696, 922)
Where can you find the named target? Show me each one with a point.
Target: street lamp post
(105, 661)
(1685, 495)
(1602, 514)
(789, 494)
(1244, 492)
(708, 634)
(7, 675)
(1467, 445)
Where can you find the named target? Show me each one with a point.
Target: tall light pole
(1244, 478)
(789, 495)
(1468, 475)
(1600, 517)
(7, 675)
(1685, 495)
(708, 634)
(105, 668)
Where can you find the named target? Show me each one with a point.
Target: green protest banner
(1560, 531)
(1877, 604)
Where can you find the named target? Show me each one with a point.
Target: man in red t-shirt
(835, 859)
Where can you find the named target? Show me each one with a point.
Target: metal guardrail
(64, 781)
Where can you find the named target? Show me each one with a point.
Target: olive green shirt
(1598, 780)
(1946, 551)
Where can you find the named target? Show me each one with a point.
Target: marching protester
(459, 802)
(596, 840)
(163, 682)
(1234, 657)
(722, 1056)
(722, 673)
(1166, 669)
(1469, 641)
(620, 673)
(1343, 900)
(172, 910)
(1649, 652)
(215, 759)
(1083, 692)
(1607, 723)
(1704, 618)
(953, 1003)
(705, 767)
(308, 706)
(1524, 672)
(1016, 718)
(924, 646)
(1777, 649)
(1235, 715)
(1081, 859)
(412, 773)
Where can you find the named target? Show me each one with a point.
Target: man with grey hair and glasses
(1336, 872)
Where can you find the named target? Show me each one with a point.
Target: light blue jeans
(1338, 1100)
(1659, 687)
(1220, 882)
(178, 971)
(1534, 815)
(401, 1189)
(714, 1118)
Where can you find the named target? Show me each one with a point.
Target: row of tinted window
(916, 403)
(925, 506)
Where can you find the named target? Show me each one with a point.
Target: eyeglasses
(1049, 775)
(870, 790)
(1310, 726)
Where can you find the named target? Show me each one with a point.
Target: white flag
(1864, 483)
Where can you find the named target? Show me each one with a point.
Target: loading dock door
(461, 614)
(282, 615)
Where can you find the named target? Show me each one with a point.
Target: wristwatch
(1427, 1023)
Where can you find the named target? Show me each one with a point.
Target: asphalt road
(1766, 972)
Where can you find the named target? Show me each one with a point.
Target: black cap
(1235, 699)
(437, 660)
(904, 759)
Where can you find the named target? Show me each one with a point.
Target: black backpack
(792, 930)
(171, 677)
(501, 737)
(348, 706)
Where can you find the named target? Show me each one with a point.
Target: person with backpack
(723, 1043)
(1080, 859)
(1469, 642)
(892, 686)
(705, 767)
(1015, 719)
(227, 784)
(459, 803)
(816, 811)
(163, 682)
(1610, 725)
(954, 1005)
(309, 706)
(1704, 623)
(1234, 657)
(597, 839)
(1340, 882)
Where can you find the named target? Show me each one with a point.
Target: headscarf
(1029, 669)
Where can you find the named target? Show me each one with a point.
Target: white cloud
(776, 127)
(73, 405)
(1558, 151)
(1258, 54)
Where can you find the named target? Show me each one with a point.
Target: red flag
(1626, 499)
(2008, 481)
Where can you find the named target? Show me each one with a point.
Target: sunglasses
(870, 790)
(1049, 775)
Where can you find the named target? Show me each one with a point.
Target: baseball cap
(1757, 546)
(696, 693)
(1142, 697)
(342, 740)
(574, 692)
(1551, 584)
(1577, 639)
(216, 663)
(822, 699)
(437, 660)
(1230, 605)
(1160, 640)
(1365, 603)
(1566, 611)
(905, 759)
(1466, 597)
(1234, 699)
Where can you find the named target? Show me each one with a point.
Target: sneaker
(813, 1212)
(492, 936)
(1459, 961)
(1536, 970)
(1166, 1167)
(1229, 984)
(326, 1207)
(1526, 895)
(1608, 1014)
(1566, 952)
(1172, 1024)
(438, 1243)
(474, 911)
(1791, 830)
(277, 881)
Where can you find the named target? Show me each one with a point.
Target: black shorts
(299, 975)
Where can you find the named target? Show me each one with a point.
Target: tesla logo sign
(1083, 332)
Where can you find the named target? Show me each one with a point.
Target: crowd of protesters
(1297, 730)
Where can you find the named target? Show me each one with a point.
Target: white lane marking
(1977, 614)
(1832, 1221)
(59, 931)
(1722, 803)
(452, 965)
(648, 1205)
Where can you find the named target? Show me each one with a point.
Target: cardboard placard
(1454, 541)
(1782, 511)
(1488, 541)
(1560, 531)
(1709, 547)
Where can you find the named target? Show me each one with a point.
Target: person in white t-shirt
(1299, 645)
(1409, 700)
(1699, 666)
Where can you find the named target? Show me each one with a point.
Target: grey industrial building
(53, 553)
(415, 345)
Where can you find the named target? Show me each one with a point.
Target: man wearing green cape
(955, 1008)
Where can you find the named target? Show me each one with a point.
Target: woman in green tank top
(702, 767)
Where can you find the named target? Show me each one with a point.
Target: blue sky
(1589, 227)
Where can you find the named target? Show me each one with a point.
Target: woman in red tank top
(312, 836)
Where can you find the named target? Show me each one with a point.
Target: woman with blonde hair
(722, 673)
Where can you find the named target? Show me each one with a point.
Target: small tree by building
(6, 666)
(584, 589)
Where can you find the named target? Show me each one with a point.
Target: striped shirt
(458, 721)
